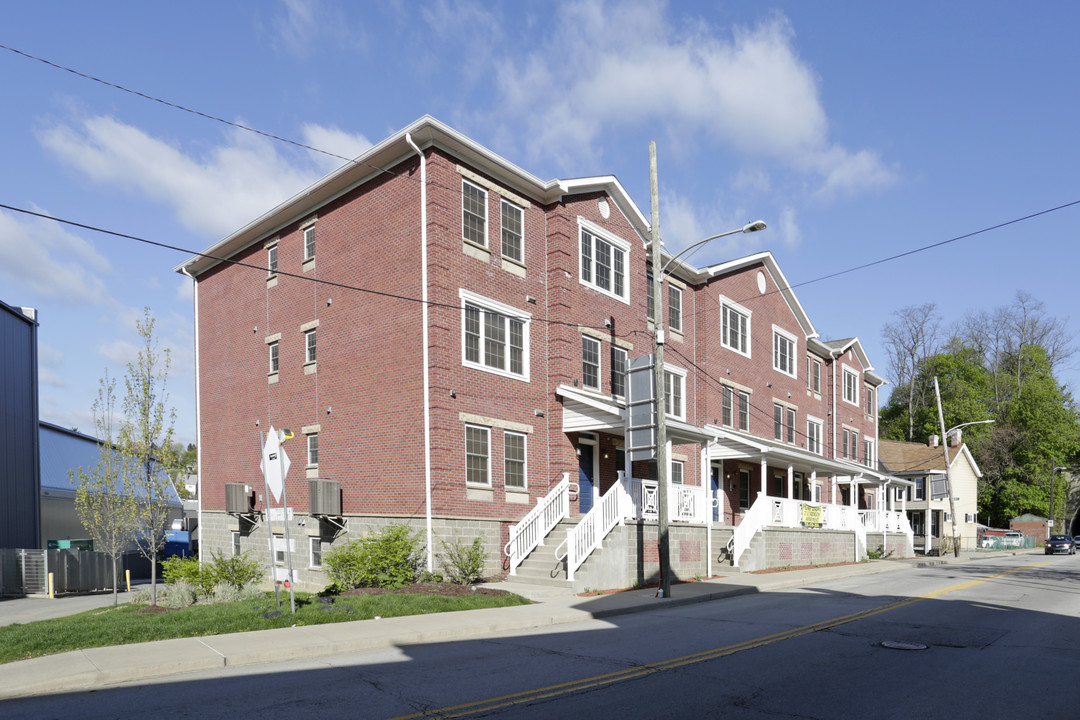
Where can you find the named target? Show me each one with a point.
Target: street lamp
(948, 479)
(1053, 474)
(659, 376)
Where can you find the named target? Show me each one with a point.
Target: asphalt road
(996, 638)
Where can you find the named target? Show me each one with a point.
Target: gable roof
(425, 133)
(911, 458)
(762, 258)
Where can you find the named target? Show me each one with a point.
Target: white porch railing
(892, 521)
(686, 503)
(534, 527)
(784, 512)
(591, 530)
(756, 517)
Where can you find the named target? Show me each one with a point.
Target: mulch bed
(449, 589)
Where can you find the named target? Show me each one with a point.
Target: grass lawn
(131, 623)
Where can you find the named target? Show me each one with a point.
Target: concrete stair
(541, 567)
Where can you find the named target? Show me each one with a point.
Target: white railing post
(535, 526)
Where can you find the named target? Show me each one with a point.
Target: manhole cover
(896, 645)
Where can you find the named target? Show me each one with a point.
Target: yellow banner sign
(812, 515)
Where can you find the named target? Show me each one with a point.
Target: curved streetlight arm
(748, 228)
(974, 422)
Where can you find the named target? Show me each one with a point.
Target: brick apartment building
(446, 336)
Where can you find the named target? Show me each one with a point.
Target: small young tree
(146, 443)
(106, 509)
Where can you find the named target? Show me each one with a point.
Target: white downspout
(427, 365)
(198, 414)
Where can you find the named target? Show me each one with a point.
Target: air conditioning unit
(239, 498)
(325, 497)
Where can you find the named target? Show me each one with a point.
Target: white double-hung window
(473, 213)
(784, 347)
(813, 435)
(675, 391)
(734, 326)
(603, 261)
(851, 385)
(495, 337)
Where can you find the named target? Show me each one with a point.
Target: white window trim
(791, 356)
(672, 289)
(599, 363)
(681, 374)
(487, 430)
(724, 300)
(311, 551)
(820, 424)
(508, 311)
(524, 464)
(626, 368)
(617, 243)
(307, 448)
(682, 471)
(813, 362)
(845, 370)
(502, 213)
(485, 244)
(309, 229)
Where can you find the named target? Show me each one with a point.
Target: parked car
(1076, 541)
(1013, 538)
(1060, 544)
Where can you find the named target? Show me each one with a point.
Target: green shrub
(237, 570)
(464, 565)
(389, 558)
(179, 594)
(177, 569)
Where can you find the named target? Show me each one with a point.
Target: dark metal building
(20, 471)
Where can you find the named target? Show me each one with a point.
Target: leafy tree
(104, 505)
(146, 442)
(910, 340)
(998, 366)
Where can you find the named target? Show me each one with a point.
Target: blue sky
(857, 131)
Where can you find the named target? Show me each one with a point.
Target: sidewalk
(97, 667)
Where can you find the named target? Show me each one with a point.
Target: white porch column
(764, 476)
(791, 482)
(706, 468)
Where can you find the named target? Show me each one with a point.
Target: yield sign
(274, 463)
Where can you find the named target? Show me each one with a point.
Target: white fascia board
(766, 258)
(426, 132)
(611, 185)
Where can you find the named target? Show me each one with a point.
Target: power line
(330, 283)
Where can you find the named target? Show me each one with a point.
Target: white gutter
(427, 378)
(198, 410)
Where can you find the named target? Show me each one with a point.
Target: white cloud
(42, 257)
(333, 140)
(613, 65)
(788, 228)
(212, 195)
(682, 224)
(301, 27)
(118, 352)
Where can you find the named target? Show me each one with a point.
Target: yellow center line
(638, 671)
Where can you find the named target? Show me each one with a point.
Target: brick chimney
(934, 440)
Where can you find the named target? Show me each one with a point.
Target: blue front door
(716, 493)
(585, 478)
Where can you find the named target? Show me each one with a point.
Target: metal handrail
(591, 530)
(530, 532)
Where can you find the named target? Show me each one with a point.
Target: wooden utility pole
(660, 379)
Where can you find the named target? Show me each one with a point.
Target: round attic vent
(605, 210)
(761, 282)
